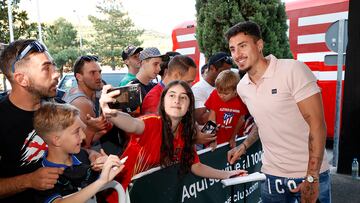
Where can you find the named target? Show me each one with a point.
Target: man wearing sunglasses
(218, 62)
(88, 76)
(33, 76)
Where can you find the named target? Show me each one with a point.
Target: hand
(108, 98)
(44, 178)
(98, 125)
(232, 142)
(236, 173)
(98, 163)
(235, 153)
(213, 145)
(309, 191)
(202, 138)
(112, 167)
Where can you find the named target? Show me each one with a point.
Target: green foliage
(115, 31)
(215, 17)
(21, 27)
(62, 43)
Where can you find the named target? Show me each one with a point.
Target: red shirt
(143, 150)
(152, 100)
(227, 114)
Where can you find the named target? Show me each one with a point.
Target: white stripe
(187, 37)
(288, 24)
(186, 51)
(327, 75)
(314, 56)
(309, 39)
(320, 19)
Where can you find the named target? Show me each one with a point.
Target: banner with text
(165, 185)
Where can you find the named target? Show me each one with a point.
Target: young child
(226, 108)
(60, 126)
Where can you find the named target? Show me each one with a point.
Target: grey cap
(152, 52)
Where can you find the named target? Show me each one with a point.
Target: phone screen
(209, 127)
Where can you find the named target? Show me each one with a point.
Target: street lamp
(80, 37)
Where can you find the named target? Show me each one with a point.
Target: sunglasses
(34, 46)
(226, 59)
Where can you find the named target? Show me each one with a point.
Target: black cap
(130, 50)
(218, 57)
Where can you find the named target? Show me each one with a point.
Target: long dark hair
(187, 133)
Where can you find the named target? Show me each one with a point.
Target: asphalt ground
(344, 189)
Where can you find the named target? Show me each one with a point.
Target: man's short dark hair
(79, 63)
(181, 63)
(246, 27)
(8, 56)
(164, 64)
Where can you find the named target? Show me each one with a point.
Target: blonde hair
(54, 117)
(226, 80)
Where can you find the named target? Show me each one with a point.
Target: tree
(62, 43)
(21, 27)
(215, 17)
(113, 33)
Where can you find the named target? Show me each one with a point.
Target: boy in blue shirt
(60, 126)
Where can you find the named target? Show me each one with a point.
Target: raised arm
(112, 167)
(122, 120)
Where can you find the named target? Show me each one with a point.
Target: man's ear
(260, 45)
(21, 79)
(78, 76)
(176, 75)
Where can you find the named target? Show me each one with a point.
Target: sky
(158, 15)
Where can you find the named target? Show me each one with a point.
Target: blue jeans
(277, 189)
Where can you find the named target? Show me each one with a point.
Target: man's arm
(236, 152)
(201, 115)
(237, 128)
(311, 109)
(93, 125)
(42, 179)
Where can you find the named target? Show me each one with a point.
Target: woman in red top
(165, 139)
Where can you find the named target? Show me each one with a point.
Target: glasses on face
(34, 46)
(226, 59)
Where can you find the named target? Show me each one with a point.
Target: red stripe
(306, 48)
(188, 44)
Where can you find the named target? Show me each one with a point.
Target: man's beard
(38, 91)
(93, 87)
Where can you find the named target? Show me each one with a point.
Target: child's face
(227, 95)
(72, 137)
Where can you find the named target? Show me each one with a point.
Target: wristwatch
(311, 179)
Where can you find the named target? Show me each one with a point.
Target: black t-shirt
(144, 88)
(20, 147)
(74, 178)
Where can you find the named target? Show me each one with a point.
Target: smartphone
(209, 127)
(129, 98)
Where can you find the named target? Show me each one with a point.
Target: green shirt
(127, 78)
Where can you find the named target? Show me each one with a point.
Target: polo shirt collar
(270, 70)
(47, 163)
